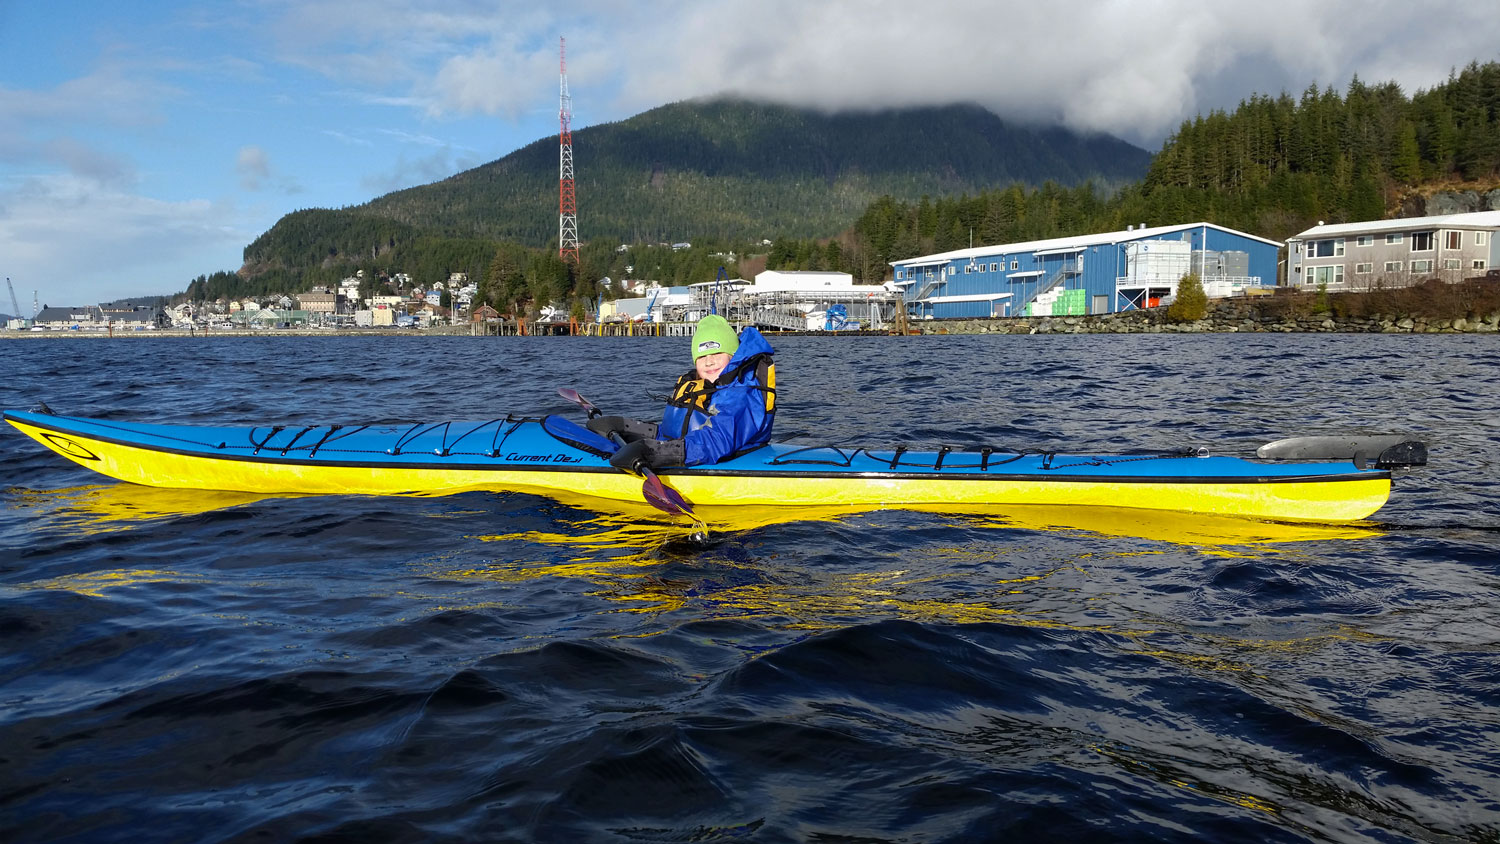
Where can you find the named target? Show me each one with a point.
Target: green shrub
(1191, 303)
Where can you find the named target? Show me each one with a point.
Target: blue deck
(512, 443)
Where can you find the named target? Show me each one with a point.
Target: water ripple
(197, 666)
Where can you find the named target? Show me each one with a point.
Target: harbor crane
(13, 302)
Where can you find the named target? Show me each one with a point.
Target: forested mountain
(1273, 167)
(722, 169)
(853, 192)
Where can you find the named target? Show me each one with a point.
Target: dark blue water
(188, 666)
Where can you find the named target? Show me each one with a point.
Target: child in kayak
(722, 407)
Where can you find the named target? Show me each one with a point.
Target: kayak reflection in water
(722, 407)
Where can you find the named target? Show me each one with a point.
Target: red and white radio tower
(567, 202)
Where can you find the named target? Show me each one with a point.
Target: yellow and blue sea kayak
(552, 455)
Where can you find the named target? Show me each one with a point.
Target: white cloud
(108, 95)
(413, 138)
(351, 140)
(77, 243)
(495, 80)
(46, 127)
(1135, 68)
(408, 171)
(254, 167)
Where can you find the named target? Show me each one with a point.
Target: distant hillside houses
(1394, 253)
(1088, 274)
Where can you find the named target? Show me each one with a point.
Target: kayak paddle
(1387, 450)
(656, 493)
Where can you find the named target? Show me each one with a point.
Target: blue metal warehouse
(1088, 274)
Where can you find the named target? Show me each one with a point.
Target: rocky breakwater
(1229, 317)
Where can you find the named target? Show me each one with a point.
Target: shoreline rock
(1152, 322)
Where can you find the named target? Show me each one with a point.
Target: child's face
(709, 366)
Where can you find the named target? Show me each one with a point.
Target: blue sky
(145, 143)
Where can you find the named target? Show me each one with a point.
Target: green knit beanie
(713, 336)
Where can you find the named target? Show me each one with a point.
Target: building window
(1015, 265)
(1326, 248)
(1452, 264)
(1422, 266)
(1393, 266)
(898, 274)
(1326, 276)
(1454, 239)
(992, 267)
(1393, 237)
(1421, 242)
(1480, 238)
(1479, 264)
(1364, 269)
(1365, 240)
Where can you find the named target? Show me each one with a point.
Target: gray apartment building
(1394, 253)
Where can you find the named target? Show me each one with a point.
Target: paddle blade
(664, 498)
(1387, 450)
(572, 395)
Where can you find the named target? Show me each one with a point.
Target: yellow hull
(1310, 500)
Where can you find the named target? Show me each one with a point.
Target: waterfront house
(1088, 274)
(1394, 253)
(428, 314)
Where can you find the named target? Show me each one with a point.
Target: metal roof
(1071, 244)
(68, 314)
(973, 297)
(1473, 219)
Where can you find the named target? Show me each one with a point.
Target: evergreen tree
(1190, 303)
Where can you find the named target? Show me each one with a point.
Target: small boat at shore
(551, 455)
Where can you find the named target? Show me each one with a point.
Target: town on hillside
(1137, 268)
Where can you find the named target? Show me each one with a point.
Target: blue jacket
(731, 415)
